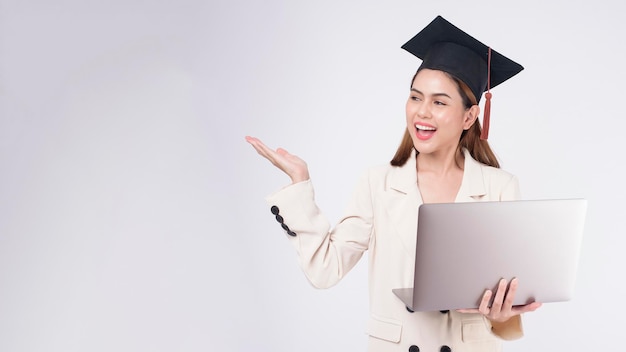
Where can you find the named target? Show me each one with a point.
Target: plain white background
(132, 212)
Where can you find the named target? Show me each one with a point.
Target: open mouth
(424, 132)
(424, 128)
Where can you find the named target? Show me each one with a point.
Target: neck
(441, 163)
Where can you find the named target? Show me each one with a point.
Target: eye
(415, 98)
(439, 102)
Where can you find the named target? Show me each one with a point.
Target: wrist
(510, 329)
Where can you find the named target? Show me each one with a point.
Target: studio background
(132, 212)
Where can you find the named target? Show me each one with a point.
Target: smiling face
(436, 113)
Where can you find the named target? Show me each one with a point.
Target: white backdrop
(132, 213)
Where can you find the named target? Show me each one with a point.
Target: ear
(471, 115)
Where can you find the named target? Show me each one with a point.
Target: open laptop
(465, 248)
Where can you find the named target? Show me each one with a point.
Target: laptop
(464, 249)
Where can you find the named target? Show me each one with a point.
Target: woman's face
(435, 114)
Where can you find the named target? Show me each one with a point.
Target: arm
(325, 255)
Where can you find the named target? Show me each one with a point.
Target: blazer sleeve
(325, 255)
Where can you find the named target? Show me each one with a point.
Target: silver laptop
(465, 248)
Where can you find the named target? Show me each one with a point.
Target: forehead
(434, 81)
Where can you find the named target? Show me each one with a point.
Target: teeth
(425, 128)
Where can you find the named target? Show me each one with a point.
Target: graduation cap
(442, 46)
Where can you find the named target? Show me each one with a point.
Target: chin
(423, 149)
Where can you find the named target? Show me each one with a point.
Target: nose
(423, 110)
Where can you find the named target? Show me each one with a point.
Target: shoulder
(501, 182)
(490, 181)
(487, 172)
(496, 173)
(384, 177)
(389, 173)
(376, 174)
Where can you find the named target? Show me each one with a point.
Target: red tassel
(485, 132)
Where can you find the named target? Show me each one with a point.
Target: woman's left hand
(502, 308)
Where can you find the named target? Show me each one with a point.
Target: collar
(404, 179)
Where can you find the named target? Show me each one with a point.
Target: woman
(441, 159)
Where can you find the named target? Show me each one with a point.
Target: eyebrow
(434, 95)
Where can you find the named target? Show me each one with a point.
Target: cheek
(409, 109)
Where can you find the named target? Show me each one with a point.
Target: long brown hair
(470, 139)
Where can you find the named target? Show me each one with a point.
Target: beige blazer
(381, 218)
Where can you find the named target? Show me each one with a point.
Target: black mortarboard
(442, 46)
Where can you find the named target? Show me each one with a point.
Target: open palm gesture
(290, 164)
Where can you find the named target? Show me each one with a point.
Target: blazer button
(291, 233)
(280, 219)
(445, 348)
(274, 210)
(285, 227)
(444, 311)
(414, 348)
(409, 309)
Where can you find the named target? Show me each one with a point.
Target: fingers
(496, 306)
(290, 164)
(260, 147)
(468, 310)
(256, 144)
(510, 295)
(502, 308)
(266, 152)
(483, 308)
(531, 307)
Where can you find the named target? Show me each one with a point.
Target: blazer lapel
(473, 184)
(401, 201)
(402, 197)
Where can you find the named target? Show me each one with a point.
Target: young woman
(440, 159)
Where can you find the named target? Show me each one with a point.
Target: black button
(414, 348)
(444, 311)
(291, 233)
(279, 219)
(285, 227)
(274, 210)
(409, 309)
(445, 348)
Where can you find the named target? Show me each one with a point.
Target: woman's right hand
(290, 164)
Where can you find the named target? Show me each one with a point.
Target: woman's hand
(502, 308)
(290, 164)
